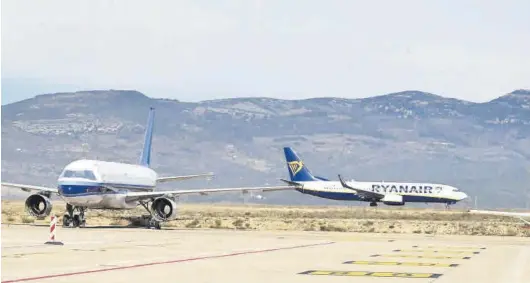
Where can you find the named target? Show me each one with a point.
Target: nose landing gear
(74, 216)
(448, 205)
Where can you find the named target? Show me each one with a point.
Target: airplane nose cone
(462, 195)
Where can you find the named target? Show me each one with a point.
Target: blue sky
(197, 50)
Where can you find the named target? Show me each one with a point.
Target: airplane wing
(361, 192)
(180, 178)
(29, 188)
(134, 196)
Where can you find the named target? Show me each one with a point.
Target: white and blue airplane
(389, 193)
(100, 184)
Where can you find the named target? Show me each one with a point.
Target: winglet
(345, 185)
(145, 158)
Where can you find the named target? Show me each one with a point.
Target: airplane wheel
(76, 221)
(373, 204)
(67, 220)
(153, 224)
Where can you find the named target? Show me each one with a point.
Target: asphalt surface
(142, 255)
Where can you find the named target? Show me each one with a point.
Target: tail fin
(297, 171)
(145, 158)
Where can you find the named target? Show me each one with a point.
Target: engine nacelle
(38, 205)
(393, 200)
(164, 209)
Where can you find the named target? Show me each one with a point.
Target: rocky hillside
(483, 148)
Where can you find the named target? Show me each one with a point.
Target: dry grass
(308, 218)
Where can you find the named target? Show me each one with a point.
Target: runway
(141, 255)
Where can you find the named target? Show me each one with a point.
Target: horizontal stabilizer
(181, 178)
(292, 183)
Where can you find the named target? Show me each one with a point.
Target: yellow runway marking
(451, 247)
(433, 264)
(371, 274)
(422, 256)
(437, 251)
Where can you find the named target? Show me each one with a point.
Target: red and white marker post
(53, 226)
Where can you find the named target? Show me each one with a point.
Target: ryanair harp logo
(295, 166)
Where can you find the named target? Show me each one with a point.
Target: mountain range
(482, 148)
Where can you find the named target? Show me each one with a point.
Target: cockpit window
(455, 190)
(85, 174)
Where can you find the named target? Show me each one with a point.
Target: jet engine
(38, 205)
(393, 200)
(164, 209)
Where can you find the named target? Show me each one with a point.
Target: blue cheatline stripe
(354, 197)
(78, 190)
(116, 185)
(408, 198)
(88, 194)
(330, 195)
(85, 190)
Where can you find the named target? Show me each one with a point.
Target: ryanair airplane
(389, 193)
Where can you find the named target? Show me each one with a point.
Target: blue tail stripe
(145, 158)
(298, 172)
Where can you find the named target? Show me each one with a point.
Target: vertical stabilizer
(145, 158)
(298, 172)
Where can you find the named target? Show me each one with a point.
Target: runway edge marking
(163, 262)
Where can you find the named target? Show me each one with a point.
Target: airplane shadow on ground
(95, 226)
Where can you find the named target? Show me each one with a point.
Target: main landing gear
(74, 216)
(373, 203)
(152, 223)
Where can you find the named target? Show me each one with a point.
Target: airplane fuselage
(411, 192)
(104, 185)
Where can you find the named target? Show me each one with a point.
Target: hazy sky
(196, 50)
